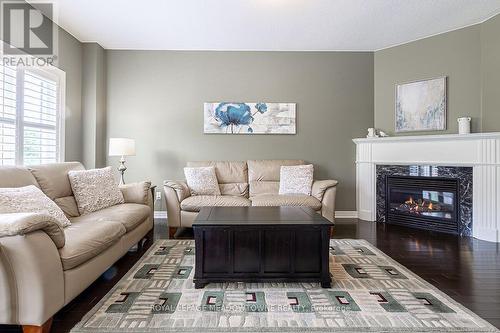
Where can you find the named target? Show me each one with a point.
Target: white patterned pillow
(296, 179)
(30, 199)
(94, 189)
(202, 180)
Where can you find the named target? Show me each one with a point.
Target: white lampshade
(121, 147)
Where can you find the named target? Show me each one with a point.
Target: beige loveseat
(250, 183)
(36, 277)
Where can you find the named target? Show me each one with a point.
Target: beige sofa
(37, 278)
(250, 183)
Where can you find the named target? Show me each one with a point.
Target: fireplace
(473, 159)
(437, 198)
(423, 202)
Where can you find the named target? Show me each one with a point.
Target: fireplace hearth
(423, 202)
(436, 198)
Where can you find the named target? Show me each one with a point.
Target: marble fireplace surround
(465, 191)
(480, 151)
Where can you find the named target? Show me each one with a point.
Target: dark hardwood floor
(467, 269)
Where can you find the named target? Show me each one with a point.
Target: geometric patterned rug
(370, 293)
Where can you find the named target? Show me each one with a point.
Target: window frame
(51, 73)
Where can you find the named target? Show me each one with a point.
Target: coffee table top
(259, 216)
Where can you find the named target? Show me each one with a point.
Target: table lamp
(121, 147)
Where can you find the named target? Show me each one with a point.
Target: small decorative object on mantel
(383, 134)
(375, 133)
(421, 106)
(464, 125)
(249, 118)
(372, 133)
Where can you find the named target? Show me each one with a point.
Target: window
(31, 115)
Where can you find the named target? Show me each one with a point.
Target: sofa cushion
(194, 204)
(68, 206)
(202, 180)
(130, 215)
(30, 199)
(139, 192)
(268, 170)
(87, 238)
(232, 176)
(274, 200)
(296, 179)
(226, 171)
(238, 189)
(264, 187)
(264, 175)
(11, 176)
(95, 189)
(54, 182)
(53, 178)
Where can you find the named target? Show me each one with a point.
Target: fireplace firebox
(430, 203)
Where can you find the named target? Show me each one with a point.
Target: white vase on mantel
(464, 125)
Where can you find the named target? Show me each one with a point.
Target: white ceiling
(341, 25)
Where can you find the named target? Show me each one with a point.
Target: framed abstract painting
(249, 118)
(421, 105)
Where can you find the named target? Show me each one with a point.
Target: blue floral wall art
(249, 118)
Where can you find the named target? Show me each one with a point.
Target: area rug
(370, 293)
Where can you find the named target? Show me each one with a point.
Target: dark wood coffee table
(261, 244)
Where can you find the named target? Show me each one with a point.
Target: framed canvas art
(421, 105)
(249, 118)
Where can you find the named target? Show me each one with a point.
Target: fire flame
(420, 205)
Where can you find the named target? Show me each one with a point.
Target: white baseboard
(160, 214)
(346, 214)
(340, 214)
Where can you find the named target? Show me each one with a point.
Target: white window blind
(30, 117)
(8, 93)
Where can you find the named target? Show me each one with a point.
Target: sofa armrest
(31, 276)
(319, 187)
(175, 192)
(180, 187)
(328, 204)
(7, 299)
(325, 191)
(14, 224)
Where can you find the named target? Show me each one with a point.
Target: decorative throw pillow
(202, 180)
(94, 189)
(30, 199)
(296, 179)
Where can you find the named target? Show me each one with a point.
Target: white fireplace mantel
(481, 151)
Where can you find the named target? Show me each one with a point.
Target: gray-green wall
(156, 97)
(85, 116)
(70, 61)
(490, 72)
(94, 105)
(469, 57)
